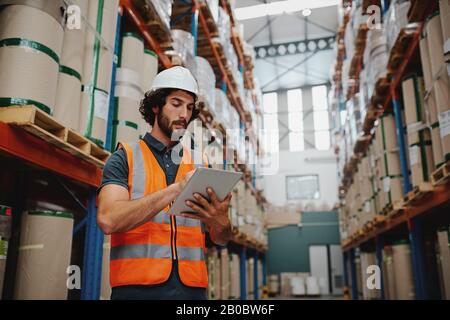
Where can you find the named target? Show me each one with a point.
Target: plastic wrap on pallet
(214, 8)
(355, 118)
(375, 57)
(249, 51)
(222, 107)
(183, 44)
(345, 77)
(349, 40)
(206, 79)
(223, 25)
(240, 83)
(258, 92)
(249, 100)
(396, 19)
(164, 9)
(357, 17)
(234, 120)
(363, 95)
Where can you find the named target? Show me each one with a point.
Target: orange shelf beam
(434, 200)
(25, 146)
(139, 22)
(401, 70)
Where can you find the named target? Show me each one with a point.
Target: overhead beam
(266, 25)
(289, 70)
(318, 25)
(279, 65)
(295, 47)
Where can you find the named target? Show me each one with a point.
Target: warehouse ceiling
(299, 65)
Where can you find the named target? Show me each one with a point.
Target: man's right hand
(183, 182)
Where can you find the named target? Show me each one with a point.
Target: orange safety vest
(144, 255)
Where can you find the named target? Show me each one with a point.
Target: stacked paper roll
(388, 274)
(97, 69)
(217, 278)
(444, 8)
(53, 8)
(430, 109)
(5, 235)
(128, 89)
(44, 255)
(150, 71)
(211, 274)
(391, 167)
(367, 260)
(68, 96)
(235, 278)
(225, 274)
(441, 85)
(403, 275)
(30, 50)
(105, 293)
(419, 136)
(250, 279)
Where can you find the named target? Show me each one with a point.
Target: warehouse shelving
(433, 200)
(29, 153)
(151, 40)
(410, 215)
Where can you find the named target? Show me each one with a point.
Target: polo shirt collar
(155, 143)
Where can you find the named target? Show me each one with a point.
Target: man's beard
(166, 127)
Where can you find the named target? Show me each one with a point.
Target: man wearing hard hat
(155, 255)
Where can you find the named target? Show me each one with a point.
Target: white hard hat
(176, 78)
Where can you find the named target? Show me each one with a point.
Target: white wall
(306, 162)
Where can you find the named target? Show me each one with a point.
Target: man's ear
(155, 109)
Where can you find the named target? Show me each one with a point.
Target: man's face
(176, 113)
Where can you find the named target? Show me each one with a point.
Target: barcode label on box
(414, 155)
(387, 184)
(444, 123)
(367, 206)
(101, 104)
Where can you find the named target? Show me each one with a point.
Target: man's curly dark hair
(157, 98)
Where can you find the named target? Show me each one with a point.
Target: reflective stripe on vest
(135, 251)
(144, 255)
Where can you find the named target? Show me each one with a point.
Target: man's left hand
(213, 213)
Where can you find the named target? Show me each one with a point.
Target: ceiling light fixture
(282, 7)
(306, 12)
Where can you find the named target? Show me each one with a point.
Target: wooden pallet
(379, 219)
(395, 208)
(368, 226)
(204, 50)
(154, 22)
(381, 91)
(418, 193)
(441, 175)
(361, 144)
(400, 47)
(40, 124)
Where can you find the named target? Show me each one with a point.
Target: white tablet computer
(221, 181)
